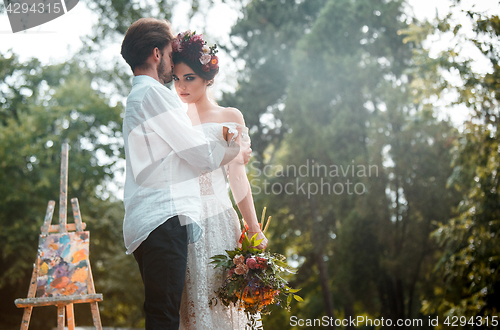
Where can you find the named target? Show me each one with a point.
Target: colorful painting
(63, 268)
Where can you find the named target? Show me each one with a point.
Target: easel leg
(31, 294)
(60, 317)
(70, 319)
(95, 315)
(93, 305)
(26, 318)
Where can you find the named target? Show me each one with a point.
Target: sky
(57, 40)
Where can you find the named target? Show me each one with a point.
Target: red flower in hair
(205, 67)
(197, 38)
(176, 45)
(214, 63)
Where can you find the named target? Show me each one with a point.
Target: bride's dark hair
(195, 66)
(191, 49)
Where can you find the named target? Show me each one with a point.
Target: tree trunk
(348, 308)
(325, 288)
(320, 262)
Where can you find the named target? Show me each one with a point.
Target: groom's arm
(174, 128)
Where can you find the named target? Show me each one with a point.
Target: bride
(195, 66)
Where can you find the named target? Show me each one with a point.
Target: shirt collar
(144, 79)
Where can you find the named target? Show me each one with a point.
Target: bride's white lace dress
(221, 231)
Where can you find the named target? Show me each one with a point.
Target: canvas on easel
(61, 274)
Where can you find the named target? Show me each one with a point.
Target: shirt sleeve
(166, 128)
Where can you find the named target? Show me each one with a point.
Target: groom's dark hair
(142, 37)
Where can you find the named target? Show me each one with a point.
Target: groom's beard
(164, 73)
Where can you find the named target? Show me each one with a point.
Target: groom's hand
(236, 151)
(246, 151)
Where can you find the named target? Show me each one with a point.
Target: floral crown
(192, 46)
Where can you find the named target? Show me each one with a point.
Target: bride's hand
(260, 235)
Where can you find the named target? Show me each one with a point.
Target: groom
(164, 156)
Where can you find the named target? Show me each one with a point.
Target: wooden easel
(63, 302)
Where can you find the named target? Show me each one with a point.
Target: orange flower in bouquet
(258, 298)
(254, 277)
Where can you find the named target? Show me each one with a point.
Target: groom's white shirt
(164, 156)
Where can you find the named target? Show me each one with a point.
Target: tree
(349, 103)
(41, 107)
(468, 268)
(115, 16)
(264, 38)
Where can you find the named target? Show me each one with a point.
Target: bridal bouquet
(254, 277)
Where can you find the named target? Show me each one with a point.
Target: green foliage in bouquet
(254, 277)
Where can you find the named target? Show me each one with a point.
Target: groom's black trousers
(162, 261)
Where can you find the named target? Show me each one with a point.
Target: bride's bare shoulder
(233, 115)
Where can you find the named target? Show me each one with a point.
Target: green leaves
(246, 243)
(467, 280)
(352, 90)
(41, 107)
(221, 260)
(283, 266)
